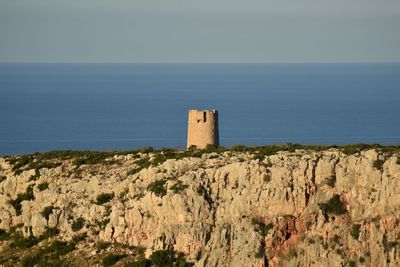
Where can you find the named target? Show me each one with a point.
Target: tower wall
(202, 128)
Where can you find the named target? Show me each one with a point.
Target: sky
(200, 31)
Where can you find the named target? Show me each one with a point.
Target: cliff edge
(224, 208)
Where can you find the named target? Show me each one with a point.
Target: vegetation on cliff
(280, 205)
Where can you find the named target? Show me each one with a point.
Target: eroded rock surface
(225, 209)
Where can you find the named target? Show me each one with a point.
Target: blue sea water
(126, 106)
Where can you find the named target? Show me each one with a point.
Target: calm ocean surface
(125, 106)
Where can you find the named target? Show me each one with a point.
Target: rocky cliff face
(302, 208)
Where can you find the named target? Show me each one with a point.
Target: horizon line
(199, 63)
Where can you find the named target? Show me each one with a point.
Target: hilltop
(287, 205)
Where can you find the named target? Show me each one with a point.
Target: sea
(109, 107)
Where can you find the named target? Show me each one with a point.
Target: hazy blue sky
(200, 31)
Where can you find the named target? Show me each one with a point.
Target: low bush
(238, 148)
(378, 164)
(146, 149)
(333, 206)
(158, 187)
(112, 259)
(139, 263)
(102, 224)
(35, 161)
(21, 242)
(50, 232)
(2, 178)
(47, 211)
(267, 177)
(4, 235)
(140, 165)
(178, 187)
(331, 181)
(102, 245)
(355, 231)
(35, 176)
(335, 239)
(49, 255)
(78, 224)
(16, 203)
(59, 248)
(92, 158)
(30, 260)
(104, 198)
(261, 227)
(79, 238)
(43, 186)
(168, 258)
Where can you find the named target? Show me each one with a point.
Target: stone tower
(202, 128)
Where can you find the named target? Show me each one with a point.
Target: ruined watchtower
(202, 128)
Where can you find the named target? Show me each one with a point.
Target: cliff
(226, 208)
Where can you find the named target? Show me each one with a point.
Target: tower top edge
(203, 110)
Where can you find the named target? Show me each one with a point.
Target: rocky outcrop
(302, 208)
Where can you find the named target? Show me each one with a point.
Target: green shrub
(2, 178)
(78, 224)
(238, 148)
(335, 239)
(398, 161)
(102, 245)
(331, 181)
(139, 263)
(4, 235)
(178, 187)
(361, 260)
(264, 164)
(43, 186)
(50, 232)
(35, 161)
(35, 176)
(355, 231)
(30, 260)
(147, 149)
(267, 177)
(378, 164)
(79, 238)
(355, 148)
(333, 206)
(47, 211)
(59, 248)
(168, 258)
(21, 242)
(112, 259)
(16, 203)
(92, 158)
(104, 198)
(102, 224)
(49, 255)
(261, 227)
(19, 162)
(158, 187)
(140, 165)
(352, 264)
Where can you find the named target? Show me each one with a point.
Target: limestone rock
(225, 209)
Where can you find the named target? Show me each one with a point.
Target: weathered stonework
(202, 128)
